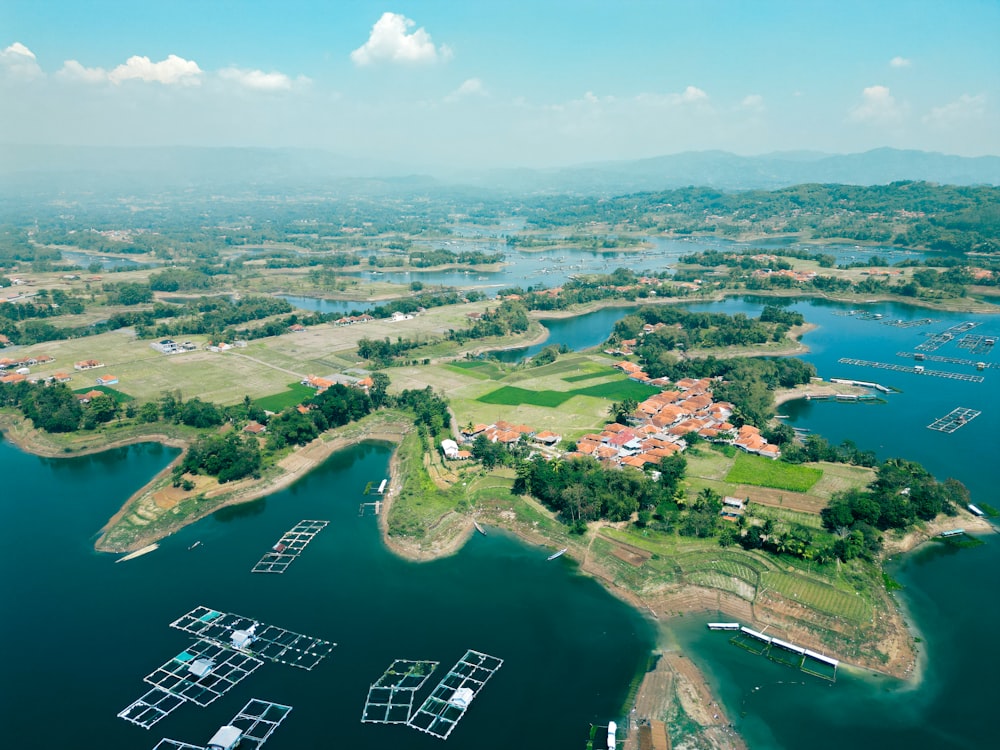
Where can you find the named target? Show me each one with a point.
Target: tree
(622, 410)
(378, 392)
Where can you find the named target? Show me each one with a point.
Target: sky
(504, 83)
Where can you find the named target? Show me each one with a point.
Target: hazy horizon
(536, 85)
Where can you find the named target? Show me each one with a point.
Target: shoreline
(685, 682)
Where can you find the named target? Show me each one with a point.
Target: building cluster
(321, 384)
(659, 425)
(508, 434)
(798, 276)
(168, 346)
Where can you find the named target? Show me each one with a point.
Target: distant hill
(65, 169)
(728, 171)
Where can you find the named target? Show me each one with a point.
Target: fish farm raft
(287, 549)
(228, 649)
(918, 370)
(953, 420)
(390, 698)
(249, 729)
(780, 651)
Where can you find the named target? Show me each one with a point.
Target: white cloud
(690, 95)
(899, 62)
(17, 61)
(170, 71)
(389, 42)
(258, 80)
(753, 102)
(73, 70)
(954, 113)
(878, 106)
(469, 87)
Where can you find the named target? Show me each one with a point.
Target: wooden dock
(902, 368)
(953, 420)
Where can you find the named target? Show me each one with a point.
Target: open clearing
(765, 472)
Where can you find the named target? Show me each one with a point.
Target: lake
(82, 631)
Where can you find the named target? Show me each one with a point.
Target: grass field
(615, 390)
(295, 395)
(765, 472)
(586, 376)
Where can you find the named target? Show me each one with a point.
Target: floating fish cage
(228, 649)
(953, 420)
(446, 705)
(287, 549)
(263, 641)
(784, 652)
(248, 730)
(390, 698)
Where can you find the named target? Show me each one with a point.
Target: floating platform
(723, 626)
(861, 384)
(936, 340)
(448, 702)
(783, 652)
(255, 722)
(950, 360)
(916, 370)
(953, 420)
(375, 506)
(951, 533)
(150, 708)
(390, 698)
(977, 344)
(203, 672)
(908, 323)
(292, 543)
(263, 641)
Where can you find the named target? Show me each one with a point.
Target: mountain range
(67, 169)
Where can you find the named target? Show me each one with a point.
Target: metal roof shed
(226, 738)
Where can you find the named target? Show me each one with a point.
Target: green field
(509, 395)
(765, 472)
(118, 396)
(277, 402)
(586, 376)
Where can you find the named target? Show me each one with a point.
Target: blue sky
(511, 83)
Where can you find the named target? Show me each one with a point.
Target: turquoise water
(81, 632)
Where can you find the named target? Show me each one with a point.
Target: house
(255, 428)
(88, 364)
(547, 438)
(398, 316)
(108, 380)
(320, 384)
(14, 377)
(297, 328)
(166, 346)
(86, 398)
(450, 448)
(62, 377)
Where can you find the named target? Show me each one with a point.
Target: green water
(80, 632)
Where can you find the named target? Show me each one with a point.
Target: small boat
(196, 544)
(560, 553)
(479, 528)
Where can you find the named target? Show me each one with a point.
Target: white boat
(479, 528)
(560, 553)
